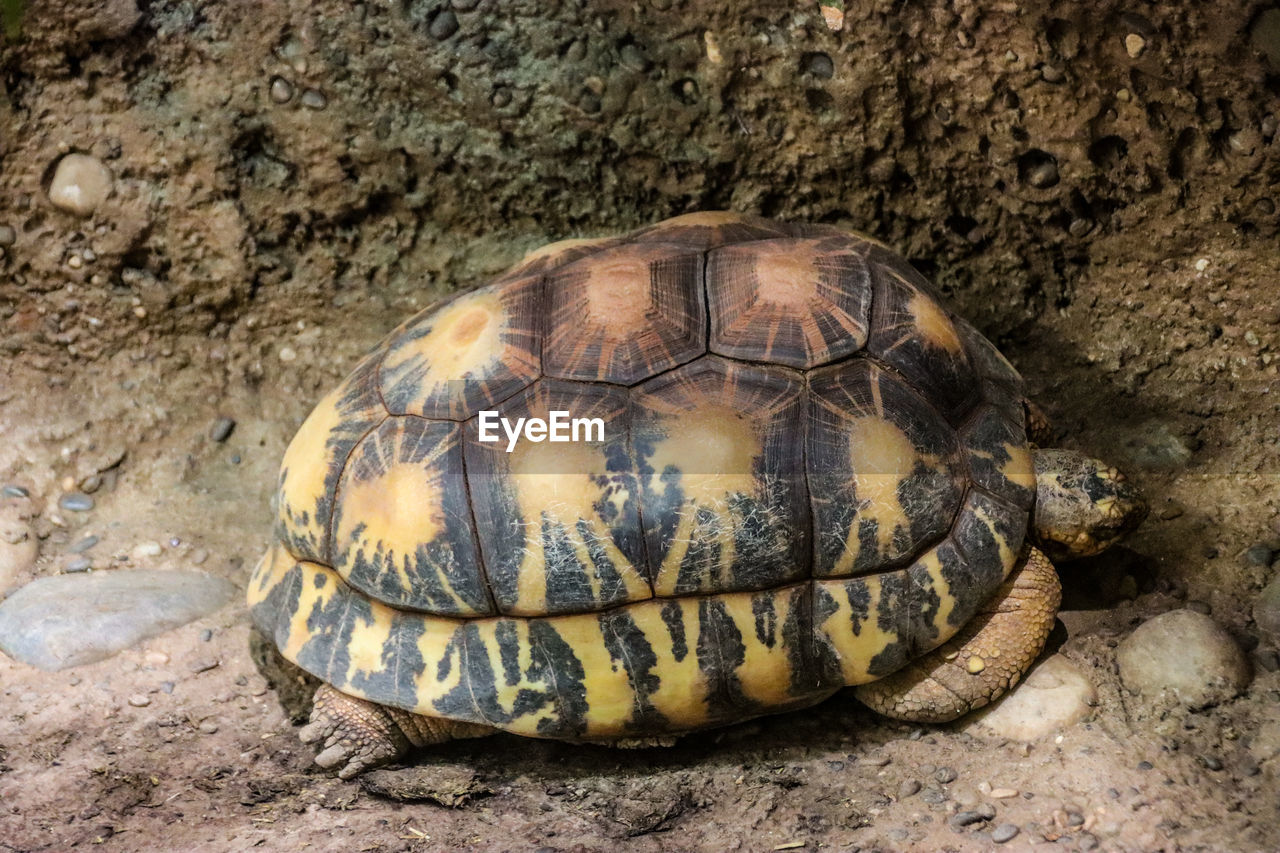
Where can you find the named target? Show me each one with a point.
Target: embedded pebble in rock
(68, 620)
(1266, 609)
(80, 564)
(288, 354)
(80, 184)
(1053, 696)
(1185, 656)
(84, 544)
(208, 728)
(139, 700)
(908, 788)
(313, 99)
(14, 491)
(222, 428)
(1259, 555)
(76, 502)
(7, 235)
(147, 549)
(281, 90)
(19, 547)
(1134, 44)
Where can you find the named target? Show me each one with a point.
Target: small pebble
(13, 491)
(80, 183)
(443, 25)
(206, 635)
(1043, 175)
(198, 558)
(7, 235)
(1213, 763)
(166, 687)
(222, 428)
(281, 90)
(1144, 766)
(313, 99)
(139, 700)
(1075, 819)
(288, 354)
(84, 544)
(966, 818)
(79, 564)
(91, 484)
(945, 775)
(1202, 264)
(174, 541)
(1134, 44)
(1004, 832)
(1258, 555)
(76, 502)
(208, 727)
(1088, 841)
(908, 788)
(933, 795)
(819, 65)
(158, 658)
(1003, 793)
(204, 665)
(874, 761)
(147, 549)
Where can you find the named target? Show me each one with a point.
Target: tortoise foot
(982, 662)
(355, 735)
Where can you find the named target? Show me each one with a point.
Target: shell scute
(721, 477)
(800, 303)
(883, 472)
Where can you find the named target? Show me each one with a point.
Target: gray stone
(1185, 656)
(1054, 695)
(56, 622)
(1266, 610)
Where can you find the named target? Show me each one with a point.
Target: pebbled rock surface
(56, 622)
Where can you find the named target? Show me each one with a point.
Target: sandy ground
(251, 251)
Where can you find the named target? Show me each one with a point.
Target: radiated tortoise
(798, 471)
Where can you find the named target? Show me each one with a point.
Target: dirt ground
(1096, 189)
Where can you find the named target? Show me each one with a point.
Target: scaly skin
(982, 662)
(358, 735)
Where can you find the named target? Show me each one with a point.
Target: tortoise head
(1083, 506)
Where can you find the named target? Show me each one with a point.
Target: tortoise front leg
(984, 660)
(359, 735)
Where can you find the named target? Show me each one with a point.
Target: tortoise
(799, 471)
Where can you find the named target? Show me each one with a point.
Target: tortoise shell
(810, 472)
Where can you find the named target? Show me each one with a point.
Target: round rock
(1054, 695)
(1183, 655)
(1266, 610)
(80, 184)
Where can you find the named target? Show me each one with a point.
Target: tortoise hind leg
(358, 735)
(984, 660)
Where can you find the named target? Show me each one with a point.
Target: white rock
(1055, 694)
(1183, 656)
(146, 549)
(80, 184)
